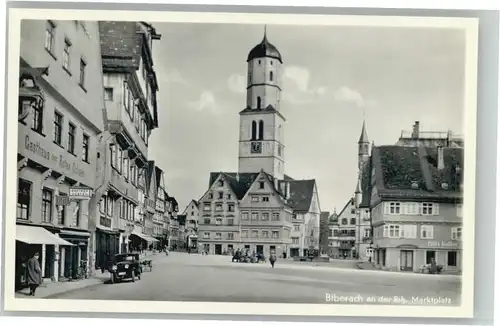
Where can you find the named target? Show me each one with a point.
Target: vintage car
(125, 266)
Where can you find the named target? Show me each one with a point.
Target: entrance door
(429, 255)
(294, 252)
(260, 249)
(218, 249)
(406, 260)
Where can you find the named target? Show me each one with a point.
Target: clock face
(256, 147)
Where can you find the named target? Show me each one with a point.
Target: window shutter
(431, 231)
(435, 209)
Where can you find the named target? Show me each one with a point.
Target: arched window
(261, 130)
(353, 221)
(271, 76)
(254, 130)
(258, 102)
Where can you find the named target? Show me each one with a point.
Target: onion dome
(264, 49)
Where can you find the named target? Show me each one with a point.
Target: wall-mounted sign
(62, 200)
(80, 193)
(443, 244)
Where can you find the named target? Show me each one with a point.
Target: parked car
(125, 266)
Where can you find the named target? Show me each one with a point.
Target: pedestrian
(272, 259)
(34, 273)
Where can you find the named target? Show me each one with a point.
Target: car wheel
(133, 276)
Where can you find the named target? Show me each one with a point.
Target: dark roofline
(345, 206)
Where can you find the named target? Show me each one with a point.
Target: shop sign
(442, 244)
(62, 200)
(80, 193)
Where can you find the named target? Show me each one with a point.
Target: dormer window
(444, 185)
(414, 185)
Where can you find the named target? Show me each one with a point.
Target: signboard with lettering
(62, 200)
(42, 150)
(443, 244)
(80, 193)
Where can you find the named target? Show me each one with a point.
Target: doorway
(218, 249)
(294, 252)
(429, 255)
(260, 249)
(406, 260)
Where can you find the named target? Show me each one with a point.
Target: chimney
(416, 130)
(440, 158)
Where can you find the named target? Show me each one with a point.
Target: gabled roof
(120, 45)
(398, 168)
(363, 139)
(239, 182)
(301, 194)
(349, 202)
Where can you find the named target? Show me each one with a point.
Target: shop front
(36, 239)
(76, 256)
(107, 245)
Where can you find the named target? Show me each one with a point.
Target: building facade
(60, 121)
(334, 236)
(259, 208)
(191, 212)
(130, 87)
(416, 207)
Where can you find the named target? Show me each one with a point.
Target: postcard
(231, 163)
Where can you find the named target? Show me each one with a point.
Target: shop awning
(144, 236)
(151, 239)
(38, 235)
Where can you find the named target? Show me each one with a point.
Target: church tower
(363, 148)
(261, 123)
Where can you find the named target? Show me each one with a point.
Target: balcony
(126, 189)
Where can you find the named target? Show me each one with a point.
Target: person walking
(272, 259)
(34, 273)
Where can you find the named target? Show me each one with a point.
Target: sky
(334, 77)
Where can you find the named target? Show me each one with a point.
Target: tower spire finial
(265, 33)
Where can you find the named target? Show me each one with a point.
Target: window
(230, 221)
(275, 234)
(221, 183)
(244, 216)
(296, 228)
(428, 209)
(460, 210)
(276, 216)
(23, 199)
(37, 122)
(255, 216)
(456, 233)
(261, 130)
(218, 207)
(264, 217)
(78, 214)
(228, 196)
(85, 149)
(126, 169)
(353, 211)
(254, 130)
(427, 232)
(49, 36)
(71, 138)
(392, 231)
(230, 236)
(102, 205)
(394, 208)
(206, 220)
(411, 209)
(295, 241)
(83, 66)
(58, 125)
(271, 76)
(265, 234)
(108, 93)
(335, 233)
(344, 221)
(109, 206)
(46, 205)
(353, 221)
(221, 195)
(261, 184)
(206, 235)
(259, 102)
(218, 221)
(61, 212)
(244, 234)
(66, 55)
(230, 207)
(210, 196)
(255, 199)
(452, 258)
(255, 234)
(265, 199)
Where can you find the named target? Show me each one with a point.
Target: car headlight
(115, 268)
(126, 266)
